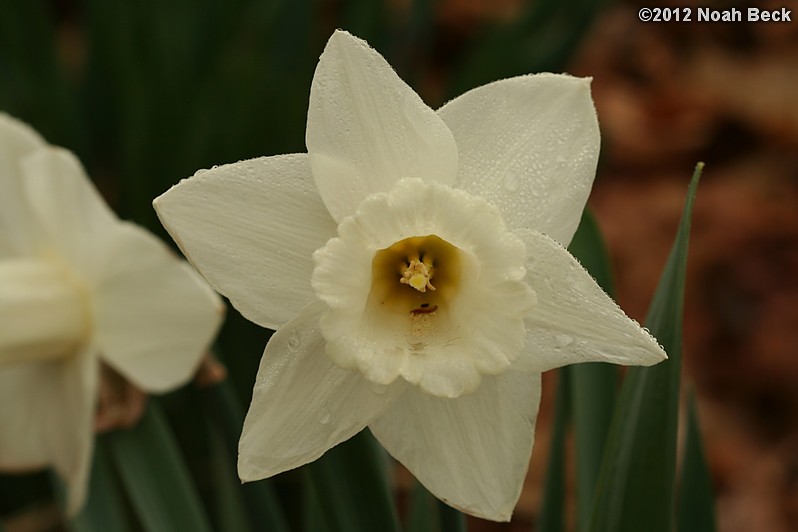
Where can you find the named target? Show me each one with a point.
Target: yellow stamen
(414, 262)
(418, 274)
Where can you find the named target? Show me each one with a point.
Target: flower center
(43, 312)
(417, 274)
(440, 308)
(402, 276)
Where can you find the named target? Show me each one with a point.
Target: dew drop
(294, 339)
(324, 413)
(563, 340)
(511, 182)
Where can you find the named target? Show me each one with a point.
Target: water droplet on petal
(511, 182)
(324, 413)
(294, 339)
(563, 340)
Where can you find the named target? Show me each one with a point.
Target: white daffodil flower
(79, 286)
(413, 265)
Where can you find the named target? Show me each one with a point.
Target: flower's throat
(418, 276)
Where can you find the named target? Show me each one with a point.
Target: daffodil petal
(302, 403)
(47, 411)
(17, 139)
(250, 228)
(75, 219)
(574, 320)
(22, 443)
(530, 146)
(471, 452)
(155, 317)
(367, 128)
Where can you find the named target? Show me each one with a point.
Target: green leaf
(230, 511)
(635, 490)
(153, 473)
(588, 246)
(428, 514)
(696, 502)
(227, 417)
(423, 515)
(105, 508)
(312, 515)
(451, 520)
(594, 385)
(552, 514)
(351, 487)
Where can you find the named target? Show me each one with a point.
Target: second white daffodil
(413, 265)
(79, 287)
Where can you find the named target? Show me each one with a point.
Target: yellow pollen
(418, 275)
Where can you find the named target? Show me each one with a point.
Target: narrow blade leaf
(635, 490)
(451, 520)
(351, 488)
(552, 514)
(154, 475)
(423, 514)
(594, 385)
(226, 418)
(230, 513)
(312, 516)
(105, 508)
(696, 503)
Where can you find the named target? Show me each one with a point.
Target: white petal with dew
(302, 403)
(47, 411)
(367, 128)
(17, 228)
(530, 146)
(250, 229)
(75, 219)
(574, 320)
(471, 452)
(154, 316)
